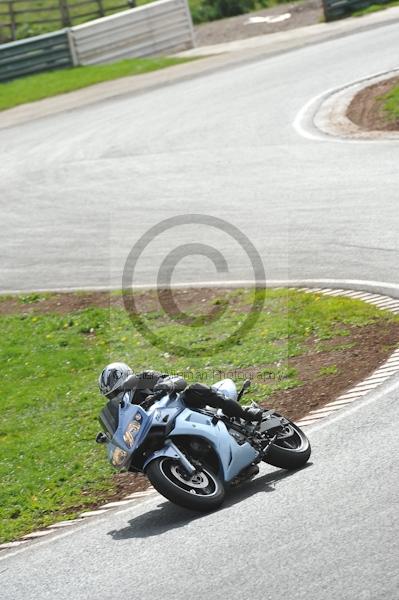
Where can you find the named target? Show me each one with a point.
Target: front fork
(170, 450)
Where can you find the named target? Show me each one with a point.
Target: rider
(115, 379)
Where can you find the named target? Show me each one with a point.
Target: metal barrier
(157, 28)
(336, 9)
(35, 55)
(161, 27)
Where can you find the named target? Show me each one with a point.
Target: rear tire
(292, 452)
(203, 492)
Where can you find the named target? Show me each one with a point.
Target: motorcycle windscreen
(109, 417)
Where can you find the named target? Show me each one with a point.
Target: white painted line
(334, 293)
(304, 122)
(392, 362)
(387, 370)
(36, 534)
(376, 379)
(93, 513)
(366, 386)
(377, 376)
(61, 524)
(299, 284)
(355, 295)
(367, 383)
(326, 409)
(143, 493)
(386, 301)
(309, 420)
(378, 373)
(82, 523)
(134, 496)
(340, 403)
(362, 295)
(357, 406)
(114, 504)
(304, 112)
(353, 394)
(12, 544)
(384, 305)
(388, 367)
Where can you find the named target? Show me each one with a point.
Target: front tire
(202, 492)
(291, 450)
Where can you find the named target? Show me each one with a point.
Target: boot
(253, 414)
(245, 475)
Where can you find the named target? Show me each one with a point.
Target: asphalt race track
(83, 186)
(326, 532)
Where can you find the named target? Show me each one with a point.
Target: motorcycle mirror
(101, 438)
(245, 386)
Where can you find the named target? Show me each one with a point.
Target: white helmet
(111, 379)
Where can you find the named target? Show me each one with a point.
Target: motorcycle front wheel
(290, 450)
(201, 492)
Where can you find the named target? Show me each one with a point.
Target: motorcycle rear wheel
(291, 452)
(202, 492)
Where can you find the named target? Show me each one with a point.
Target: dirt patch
(124, 484)
(308, 12)
(366, 108)
(32, 304)
(370, 346)
(145, 301)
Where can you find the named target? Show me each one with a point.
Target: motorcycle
(191, 455)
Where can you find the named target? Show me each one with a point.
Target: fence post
(65, 18)
(100, 8)
(190, 22)
(72, 48)
(13, 23)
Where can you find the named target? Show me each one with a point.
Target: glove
(253, 413)
(171, 384)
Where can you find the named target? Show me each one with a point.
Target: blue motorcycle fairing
(233, 457)
(127, 414)
(179, 420)
(162, 413)
(172, 451)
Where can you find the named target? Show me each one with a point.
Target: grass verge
(54, 346)
(390, 103)
(374, 8)
(45, 85)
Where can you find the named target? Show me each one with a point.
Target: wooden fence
(22, 18)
